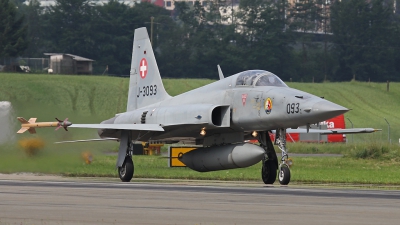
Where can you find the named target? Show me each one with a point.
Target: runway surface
(81, 202)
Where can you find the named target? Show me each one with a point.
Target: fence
(36, 65)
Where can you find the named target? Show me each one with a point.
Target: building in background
(47, 3)
(61, 63)
(169, 4)
(155, 2)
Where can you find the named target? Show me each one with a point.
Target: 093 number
(293, 108)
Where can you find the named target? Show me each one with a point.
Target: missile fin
(22, 120)
(22, 130)
(32, 130)
(32, 120)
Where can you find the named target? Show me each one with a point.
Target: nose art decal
(268, 105)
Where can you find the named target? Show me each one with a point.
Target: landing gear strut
(124, 161)
(270, 161)
(284, 171)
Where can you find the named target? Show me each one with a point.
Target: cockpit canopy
(259, 78)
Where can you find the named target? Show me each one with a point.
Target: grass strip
(311, 170)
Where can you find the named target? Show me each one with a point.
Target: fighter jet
(218, 117)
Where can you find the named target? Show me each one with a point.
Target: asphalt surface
(56, 201)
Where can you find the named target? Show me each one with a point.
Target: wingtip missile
(31, 124)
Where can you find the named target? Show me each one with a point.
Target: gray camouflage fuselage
(225, 107)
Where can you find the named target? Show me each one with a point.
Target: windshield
(259, 78)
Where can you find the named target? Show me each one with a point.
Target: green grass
(345, 170)
(351, 149)
(85, 95)
(310, 170)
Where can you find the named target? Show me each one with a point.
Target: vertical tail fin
(145, 85)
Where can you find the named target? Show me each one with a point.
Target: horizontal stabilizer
(333, 131)
(147, 127)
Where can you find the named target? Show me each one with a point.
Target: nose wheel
(284, 174)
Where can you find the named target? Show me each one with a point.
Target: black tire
(268, 172)
(126, 171)
(284, 175)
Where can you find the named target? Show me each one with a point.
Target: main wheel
(284, 175)
(268, 172)
(126, 171)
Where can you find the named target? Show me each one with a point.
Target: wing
(333, 131)
(114, 130)
(146, 127)
(88, 140)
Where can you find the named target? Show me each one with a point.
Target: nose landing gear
(284, 171)
(270, 161)
(284, 174)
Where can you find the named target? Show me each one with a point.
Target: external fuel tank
(223, 157)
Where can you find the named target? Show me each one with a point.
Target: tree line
(312, 40)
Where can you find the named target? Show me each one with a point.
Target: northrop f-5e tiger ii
(219, 117)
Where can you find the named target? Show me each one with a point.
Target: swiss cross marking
(143, 68)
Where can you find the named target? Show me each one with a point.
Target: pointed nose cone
(326, 110)
(187, 159)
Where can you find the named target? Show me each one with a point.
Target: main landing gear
(270, 161)
(124, 162)
(126, 171)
